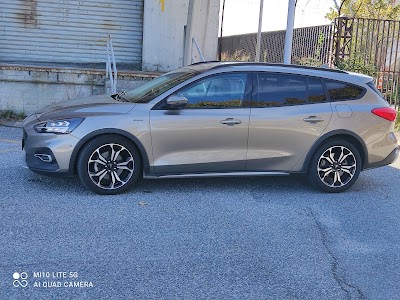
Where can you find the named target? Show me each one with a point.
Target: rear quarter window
(371, 84)
(342, 91)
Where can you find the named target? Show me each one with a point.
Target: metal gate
(371, 45)
(71, 32)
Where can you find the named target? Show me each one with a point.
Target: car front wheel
(109, 165)
(335, 166)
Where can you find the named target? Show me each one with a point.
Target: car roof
(315, 71)
(202, 66)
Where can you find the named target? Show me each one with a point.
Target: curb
(13, 124)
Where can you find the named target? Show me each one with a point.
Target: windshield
(152, 89)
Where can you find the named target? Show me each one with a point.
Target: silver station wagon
(219, 119)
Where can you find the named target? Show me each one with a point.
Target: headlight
(58, 126)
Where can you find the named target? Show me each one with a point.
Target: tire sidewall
(87, 151)
(313, 172)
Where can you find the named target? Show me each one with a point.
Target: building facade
(55, 50)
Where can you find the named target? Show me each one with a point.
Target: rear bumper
(387, 161)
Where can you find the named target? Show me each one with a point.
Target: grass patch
(10, 115)
(397, 124)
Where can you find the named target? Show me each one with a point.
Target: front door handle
(231, 121)
(313, 119)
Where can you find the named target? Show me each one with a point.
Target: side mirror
(177, 101)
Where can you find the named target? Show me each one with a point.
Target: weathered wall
(163, 34)
(203, 21)
(27, 89)
(168, 30)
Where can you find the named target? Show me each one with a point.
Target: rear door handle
(313, 119)
(231, 121)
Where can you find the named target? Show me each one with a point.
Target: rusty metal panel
(71, 31)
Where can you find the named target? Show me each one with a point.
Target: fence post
(342, 37)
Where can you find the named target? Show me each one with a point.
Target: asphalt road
(235, 238)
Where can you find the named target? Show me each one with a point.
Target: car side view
(219, 119)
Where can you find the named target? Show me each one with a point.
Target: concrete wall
(27, 89)
(163, 34)
(168, 30)
(203, 23)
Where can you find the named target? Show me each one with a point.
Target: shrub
(239, 55)
(11, 115)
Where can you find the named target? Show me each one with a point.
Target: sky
(241, 16)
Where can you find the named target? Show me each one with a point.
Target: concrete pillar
(203, 21)
(168, 30)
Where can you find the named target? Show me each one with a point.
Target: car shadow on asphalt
(295, 183)
(184, 185)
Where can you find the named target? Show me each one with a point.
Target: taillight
(385, 112)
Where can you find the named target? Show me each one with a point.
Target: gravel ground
(226, 238)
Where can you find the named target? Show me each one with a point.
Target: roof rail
(205, 62)
(235, 63)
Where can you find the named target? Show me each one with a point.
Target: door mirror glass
(177, 101)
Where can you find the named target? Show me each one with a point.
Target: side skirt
(212, 174)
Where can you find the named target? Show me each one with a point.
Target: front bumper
(35, 160)
(47, 153)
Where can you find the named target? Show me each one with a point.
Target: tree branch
(337, 5)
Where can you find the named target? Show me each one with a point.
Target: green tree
(373, 9)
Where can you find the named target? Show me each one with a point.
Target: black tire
(338, 174)
(106, 175)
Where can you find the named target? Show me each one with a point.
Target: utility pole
(287, 55)
(220, 37)
(258, 47)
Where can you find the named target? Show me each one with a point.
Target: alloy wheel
(337, 166)
(111, 166)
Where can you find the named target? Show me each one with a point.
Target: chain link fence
(311, 46)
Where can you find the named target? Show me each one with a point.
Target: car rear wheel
(109, 165)
(335, 166)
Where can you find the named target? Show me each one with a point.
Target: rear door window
(280, 90)
(342, 91)
(287, 89)
(316, 92)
